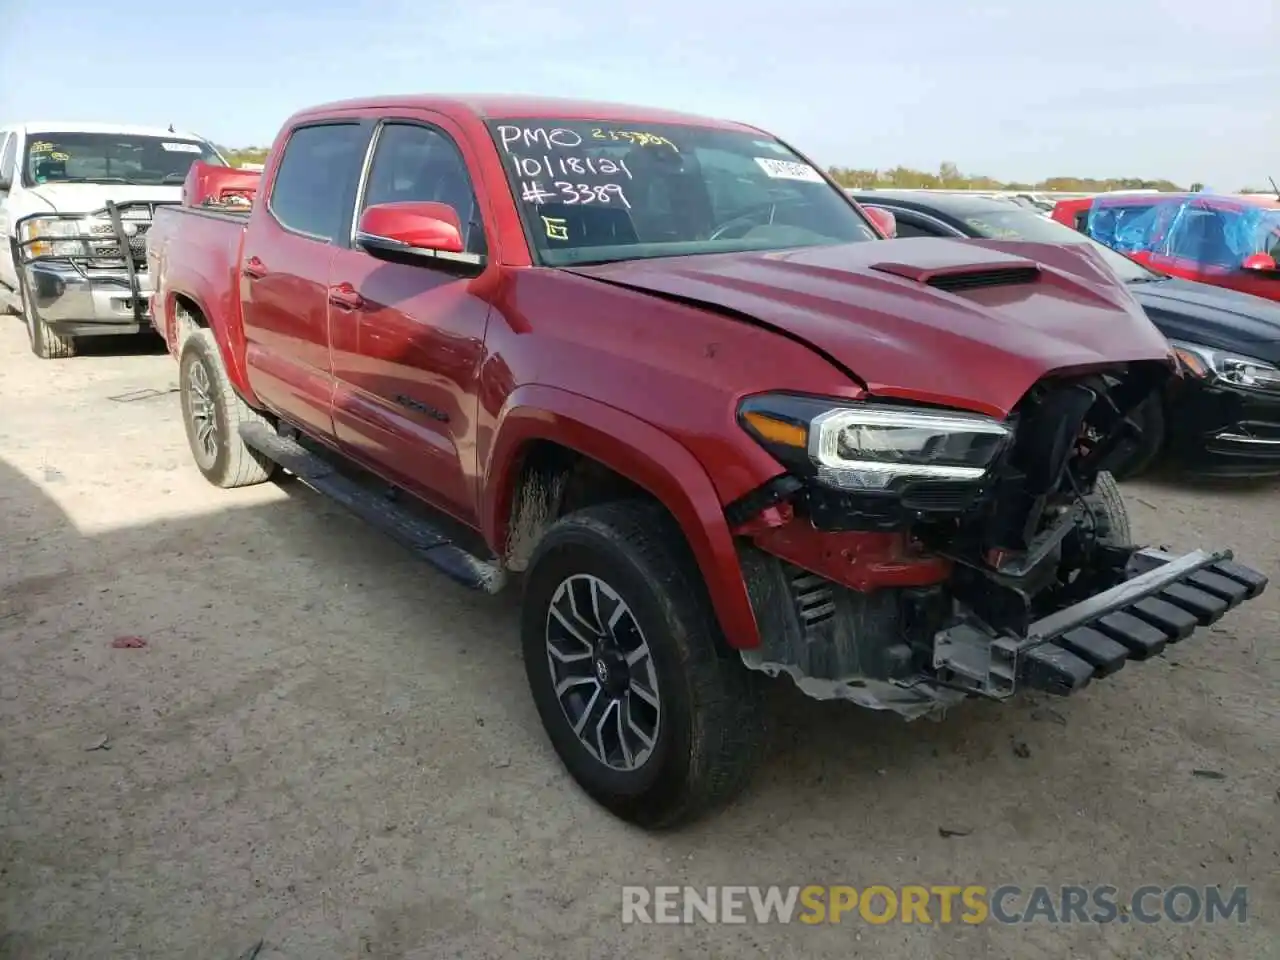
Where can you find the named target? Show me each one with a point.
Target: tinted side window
(317, 178)
(909, 226)
(412, 162)
(7, 156)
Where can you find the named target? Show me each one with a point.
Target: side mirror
(6, 184)
(885, 221)
(416, 233)
(1260, 263)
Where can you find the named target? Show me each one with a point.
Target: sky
(1187, 90)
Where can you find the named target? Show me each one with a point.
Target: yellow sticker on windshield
(557, 228)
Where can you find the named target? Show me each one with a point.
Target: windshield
(111, 158)
(1021, 224)
(1249, 231)
(592, 192)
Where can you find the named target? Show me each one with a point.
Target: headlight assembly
(55, 236)
(855, 446)
(1207, 363)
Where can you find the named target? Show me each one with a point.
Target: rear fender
(644, 455)
(226, 331)
(215, 296)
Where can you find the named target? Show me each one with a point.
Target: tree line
(947, 177)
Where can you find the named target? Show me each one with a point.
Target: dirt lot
(327, 747)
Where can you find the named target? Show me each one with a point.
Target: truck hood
(961, 323)
(88, 197)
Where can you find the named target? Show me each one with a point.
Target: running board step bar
(410, 531)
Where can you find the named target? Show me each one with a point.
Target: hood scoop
(960, 277)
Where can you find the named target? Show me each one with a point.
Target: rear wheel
(46, 343)
(650, 712)
(212, 413)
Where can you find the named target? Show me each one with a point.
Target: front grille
(939, 496)
(135, 218)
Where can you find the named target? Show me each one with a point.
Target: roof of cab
(83, 126)
(516, 107)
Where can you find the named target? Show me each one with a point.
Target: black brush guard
(104, 249)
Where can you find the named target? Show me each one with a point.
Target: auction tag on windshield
(789, 170)
(174, 147)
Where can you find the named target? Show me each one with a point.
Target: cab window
(415, 162)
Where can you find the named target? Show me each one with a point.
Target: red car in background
(1228, 241)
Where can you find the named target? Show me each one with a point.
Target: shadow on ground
(327, 747)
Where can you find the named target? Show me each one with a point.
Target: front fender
(644, 455)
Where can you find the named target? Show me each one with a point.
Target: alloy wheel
(201, 413)
(602, 672)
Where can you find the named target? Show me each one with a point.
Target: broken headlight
(1206, 363)
(872, 446)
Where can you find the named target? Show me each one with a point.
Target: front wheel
(212, 413)
(646, 707)
(1110, 514)
(46, 343)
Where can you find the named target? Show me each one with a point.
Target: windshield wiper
(133, 183)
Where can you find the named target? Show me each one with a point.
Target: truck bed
(195, 249)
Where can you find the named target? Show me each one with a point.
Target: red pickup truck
(664, 370)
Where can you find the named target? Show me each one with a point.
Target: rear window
(314, 186)
(111, 158)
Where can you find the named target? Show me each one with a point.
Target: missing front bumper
(867, 648)
(1164, 600)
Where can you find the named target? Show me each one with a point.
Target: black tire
(18, 298)
(1132, 459)
(711, 724)
(45, 342)
(1109, 512)
(227, 461)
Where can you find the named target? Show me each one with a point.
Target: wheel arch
(184, 312)
(546, 440)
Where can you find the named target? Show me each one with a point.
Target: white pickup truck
(76, 201)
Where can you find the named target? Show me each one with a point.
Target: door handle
(254, 269)
(345, 297)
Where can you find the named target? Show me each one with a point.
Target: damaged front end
(912, 557)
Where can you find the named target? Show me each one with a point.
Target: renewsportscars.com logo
(970, 904)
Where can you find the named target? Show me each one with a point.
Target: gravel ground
(326, 747)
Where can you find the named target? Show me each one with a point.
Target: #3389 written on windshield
(556, 165)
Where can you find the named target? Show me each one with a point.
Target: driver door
(408, 340)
